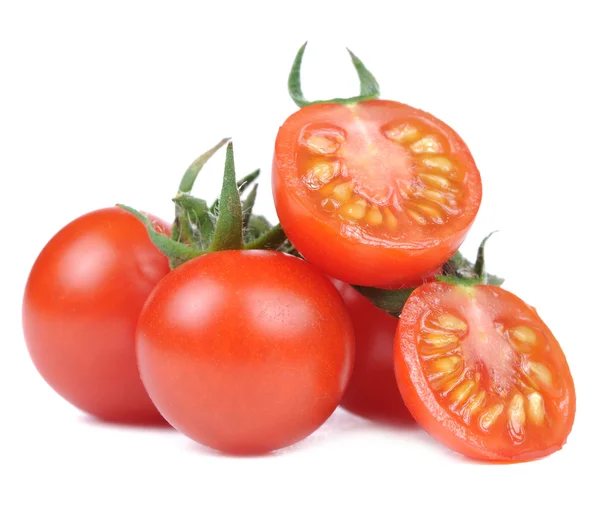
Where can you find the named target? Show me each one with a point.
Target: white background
(110, 103)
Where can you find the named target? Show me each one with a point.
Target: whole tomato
(81, 305)
(245, 351)
(372, 391)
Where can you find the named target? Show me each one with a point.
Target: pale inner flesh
(382, 177)
(486, 371)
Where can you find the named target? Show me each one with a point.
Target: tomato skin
(372, 391)
(245, 351)
(80, 308)
(424, 405)
(369, 263)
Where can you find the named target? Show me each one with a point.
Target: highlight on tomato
(80, 308)
(481, 372)
(83, 298)
(373, 192)
(242, 348)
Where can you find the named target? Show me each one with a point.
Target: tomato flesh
(479, 370)
(375, 193)
(80, 309)
(245, 351)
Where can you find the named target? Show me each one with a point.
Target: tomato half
(81, 305)
(375, 193)
(245, 351)
(480, 371)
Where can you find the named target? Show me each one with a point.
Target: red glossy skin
(372, 391)
(491, 359)
(350, 251)
(245, 351)
(81, 305)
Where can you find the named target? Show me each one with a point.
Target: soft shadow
(154, 424)
(339, 423)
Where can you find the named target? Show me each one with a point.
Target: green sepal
(391, 301)
(176, 252)
(187, 182)
(228, 229)
(369, 88)
(242, 185)
(193, 215)
(269, 240)
(247, 206)
(257, 226)
(480, 261)
(462, 281)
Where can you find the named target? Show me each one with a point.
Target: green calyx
(458, 270)
(227, 224)
(369, 88)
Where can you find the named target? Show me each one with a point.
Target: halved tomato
(375, 193)
(480, 371)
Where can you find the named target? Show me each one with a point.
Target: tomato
(245, 351)
(375, 193)
(480, 371)
(81, 305)
(372, 391)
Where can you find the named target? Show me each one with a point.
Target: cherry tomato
(372, 391)
(375, 193)
(480, 371)
(245, 351)
(81, 305)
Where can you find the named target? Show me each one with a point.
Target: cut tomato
(375, 193)
(480, 371)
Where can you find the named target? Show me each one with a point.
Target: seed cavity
(418, 217)
(490, 416)
(435, 195)
(451, 323)
(523, 334)
(343, 192)
(329, 205)
(438, 163)
(436, 181)
(516, 417)
(354, 210)
(390, 219)
(430, 211)
(403, 134)
(320, 174)
(323, 144)
(535, 408)
(428, 144)
(461, 393)
(540, 373)
(374, 216)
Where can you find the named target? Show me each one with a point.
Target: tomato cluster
(246, 336)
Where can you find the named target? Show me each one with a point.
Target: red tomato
(480, 371)
(372, 391)
(81, 305)
(375, 193)
(245, 351)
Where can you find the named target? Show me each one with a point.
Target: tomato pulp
(81, 305)
(245, 351)
(375, 193)
(480, 371)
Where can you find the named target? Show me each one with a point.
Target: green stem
(369, 88)
(270, 240)
(228, 230)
